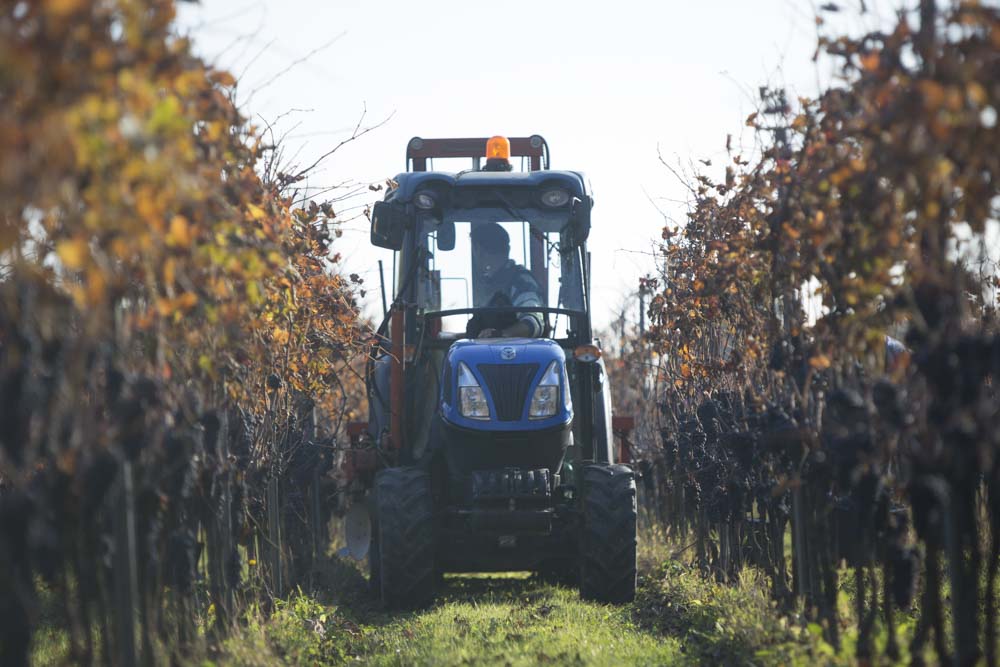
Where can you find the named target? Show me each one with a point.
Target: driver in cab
(500, 281)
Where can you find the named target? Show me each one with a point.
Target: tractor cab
(490, 412)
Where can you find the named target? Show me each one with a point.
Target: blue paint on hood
(504, 351)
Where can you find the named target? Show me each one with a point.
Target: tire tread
(404, 523)
(608, 539)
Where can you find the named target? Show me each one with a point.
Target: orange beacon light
(498, 148)
(498, 154)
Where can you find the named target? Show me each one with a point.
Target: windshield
(455, 278)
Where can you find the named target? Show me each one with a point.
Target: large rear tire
(403, 539)
(608, 540)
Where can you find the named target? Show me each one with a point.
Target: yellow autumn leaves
(855, 194)
(129, 183)
(73, 253)
(179, 234)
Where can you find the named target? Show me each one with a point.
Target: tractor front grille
(508, 384)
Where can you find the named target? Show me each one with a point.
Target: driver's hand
(489, 333)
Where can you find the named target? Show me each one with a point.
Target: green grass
(478, 620)
(679, 617)
(516, 621)
(50, 646)
(739, 623)
(734, 624)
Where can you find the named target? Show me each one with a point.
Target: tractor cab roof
(552, 201)
(409, 183)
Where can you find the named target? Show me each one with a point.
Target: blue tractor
(489, 445)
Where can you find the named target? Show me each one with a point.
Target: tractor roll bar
(418, 150)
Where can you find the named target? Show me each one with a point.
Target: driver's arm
(524, 293)
(520, 329)
(529, 324)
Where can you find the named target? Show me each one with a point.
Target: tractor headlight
(471, 398)
(424, 200)
(545, 400)
(555, 198)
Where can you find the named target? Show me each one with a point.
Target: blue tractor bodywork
(486, 359)
(509, 372)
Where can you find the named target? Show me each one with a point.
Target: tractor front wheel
(403, 539)
(608, 541)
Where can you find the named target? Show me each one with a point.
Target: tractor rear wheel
(608, 540)
(403, 538)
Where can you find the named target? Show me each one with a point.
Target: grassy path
(516, 621)
(478, 620)
(678, 618)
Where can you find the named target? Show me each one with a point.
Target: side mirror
(580, 219)
(388, 225)
(446, 236)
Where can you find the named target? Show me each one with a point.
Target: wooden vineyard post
(124, 569)
(314, 510)
(228, 546)
(800, 587)
(274, 534)
(317, 529)
(726, 548)
(219, 532)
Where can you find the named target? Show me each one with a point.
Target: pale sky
(608, 84)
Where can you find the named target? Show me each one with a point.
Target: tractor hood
(509, 371)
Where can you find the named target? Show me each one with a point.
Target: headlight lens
(555, 198)
(473, 403)
(544, 402)
(471, 398)
(424, 201)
